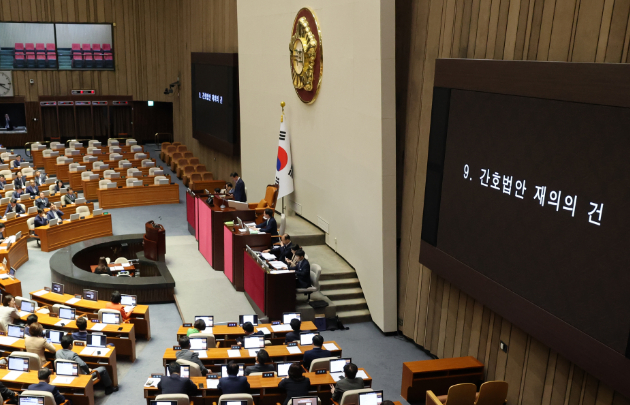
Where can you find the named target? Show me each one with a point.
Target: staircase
(344, 290)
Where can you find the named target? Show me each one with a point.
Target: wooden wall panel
(432, 312)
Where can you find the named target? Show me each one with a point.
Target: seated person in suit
(269, 225)
(350, 381)
(9, 396)
(54, 212)
(302, 270)
(263, 363)
(176, 384)
(39, 178)
(282, 252)
(316, 352)
(239, 188)
(249, 331)
(17, 161)
(228, 188)
(233, 384)
(69, 197)
(187, 354)
(32, 189)
(42, 202)
(58, 186)
(198, 327)
(3, 181)
(296, 385)
(81, 334)
(40, 219)
(18, 193)
(14, 207)
(18, 182)
(43, 375)
(31, 319)
(293, 259)
(2, 230)
(294, 335)
(66, 353)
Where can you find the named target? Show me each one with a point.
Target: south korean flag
(284, 165)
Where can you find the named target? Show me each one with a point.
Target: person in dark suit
(18, 183)
(32, 189)
(14, 207)
(40, 219)
(39, 178)
(269, 225)
(292, 260)
(350, 381)
(175, 383)
(54, 213)
(66, 353)
(187, 354)
(17, 161)
(296, 385)
(249, 331)
(58, 186)
(263, 363)
(282, 252)
(239, 188)
(81, 334)
(294, 335)
(69, 197)
(18, 193)
(3, 181)
(42, 202)
(2, 230)
(8, 395)
(233, 384)
(302, 271)
(316, 352)
(43, 375)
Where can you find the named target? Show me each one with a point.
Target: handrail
(77, 140)
(157, 136)
(27, 147)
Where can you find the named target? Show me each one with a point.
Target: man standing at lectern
(239, 188)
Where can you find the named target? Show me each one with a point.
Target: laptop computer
(304, 400)
(74, 217)
(125, 165)
(227, 402)
(336, 367)
(27, 306)
(39, 400)
(184, 371)
(369, 398)
(90, 295)
(54, 336)
(51, 180)
(112, 319)
(253, 319)
(25, 164)
(254, 342)
(198, 343)
(67, 313)
(8, 187)
(5, 201)
(67, 368)
(12, 271)
(128, 300)
(96, 340)
(161, 173)
(25, 197)
(46, 193)
(53, 222)
(306, 338)
(148, 164)
(282, 368)
(287, 316)
(15, 331)
(208, 319)
(241, 370)
(94, 177)
(112, 185)
(57, 288)
(18, 364)
(18, 235)
(114, 175)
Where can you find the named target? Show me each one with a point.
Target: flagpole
(282, 104)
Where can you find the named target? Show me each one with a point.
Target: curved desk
(69, 232)
(134, 196)
(17, 254)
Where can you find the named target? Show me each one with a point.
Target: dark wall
(148, 121)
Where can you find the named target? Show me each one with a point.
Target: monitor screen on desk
(128, 300)
(57, 288)
(110, 318)
(18, 364)
(283, 368)
(306, 338)
(96, 340)
(37, 400)
(90, 295)
(208, 319)
(287, 316)
(67, 313)
(27, 306)
(304, 400)
(12, 271)
(253, 319)
(162, 402)
(371, 398)
(67, 368)
(254, 342)
(241, 370)
(198, 343)
(15, 331)
(184, 371)
(54, 335)
(337, 365)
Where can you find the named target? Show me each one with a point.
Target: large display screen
(535, 196)
(215, 102)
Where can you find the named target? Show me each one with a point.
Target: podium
(154, 241)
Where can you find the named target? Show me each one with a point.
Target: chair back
(130, 141)
(139, 155)
(236, 397)
(108, 173)
(171, 149)
(176, 143)
(352, 396)
(207, 176)
(195, 177)
(46, 153)
(97, 165)
(86, 175)
(34, 362)
(153, 169)
(193, 161)
(112, 142)
(321, 364)
(121, 260)
(83, 210)
(182, 399)
(87, 158)
(51, 188)
(145, 161)
(189, 169)
(102, 184)
(271, 195)
(92, 142)
(182, 148)
(200, 169)
(122, 161)
(187, 155)
(283, 224)
(115, 156)
(31, 224)
(195, 371)
(156, 179)
(492, 393)
(9, 194)
(61, 160)
(71, 167)
(49, 399)
(130, 181)
(182, 162)
(316, 272)
(462, 394)
(131, 171)
(135, 148)
(28, 171)
(19, 299)
(176, 156)
(107, 311)
(212, 342)
(165, 145)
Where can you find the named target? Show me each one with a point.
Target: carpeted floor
(202, 291)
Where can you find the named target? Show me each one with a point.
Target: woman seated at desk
(103, 267)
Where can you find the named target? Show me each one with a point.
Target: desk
(38, 158)
(111, 266)
(135, 196)
(9, 285)
(89, 189)
(53, 199)
(268, 291)
(264, 390)
(58, 236)
(17, 224)
(438, 376)
(139, 316)
(226, 333)
(80, 391)
(209, 185)
(209, 228)
(234, 244)
(16, 255)
(63, 170)
(124, 339)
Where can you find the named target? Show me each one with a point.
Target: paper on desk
(294, 350)
(281, 328)
(330, 346)
(361, 373)
(13, 375)
(153, 382)
(7, 341)
(40, 293)
(88, 351)
(98, 326)
(268, 256)
(24, 313)
(212, 383)
(63, 380)
(127, 265)
(234, 353)
(264, 331)
(249, 223)
(336, 376)
(73, 301)
(281, 271)
(202, 354)
(253, 352)
(3, 276)
(116, 268)
(278, 265)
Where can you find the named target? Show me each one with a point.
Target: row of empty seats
(183, 163)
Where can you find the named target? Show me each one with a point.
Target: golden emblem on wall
(305, 50)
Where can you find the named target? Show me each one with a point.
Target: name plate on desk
(2, 333)
(188, 325)
(269, 374)
(53, 315)
(177, 348)
(321, 371)
(79, 343)
(232, 324)
(47, 289)
(275, 323)
(212, 376)
(236, 347)
(291, 344)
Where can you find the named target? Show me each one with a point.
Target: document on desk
(212, 383)
(7, 341)
(63, 380)
(361, 373)
(234, 353)
(202, 354)
(40, 293)
(281, 271)
(73, 301)
(249, 223)
(88, 351)
(153, 382)
(268, 256)
(13, 375)
(281, 328)
(23, 313)
(253, 352)
(264, 331)
(3, 276)
(98, 326)
(117, 268)
(127, 264)
(294, 350)
(330, 346)
(278, 265)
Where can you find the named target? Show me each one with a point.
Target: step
(351, 304)
(338, 275)
(344, 293)
(327, 285)
(355, 316)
